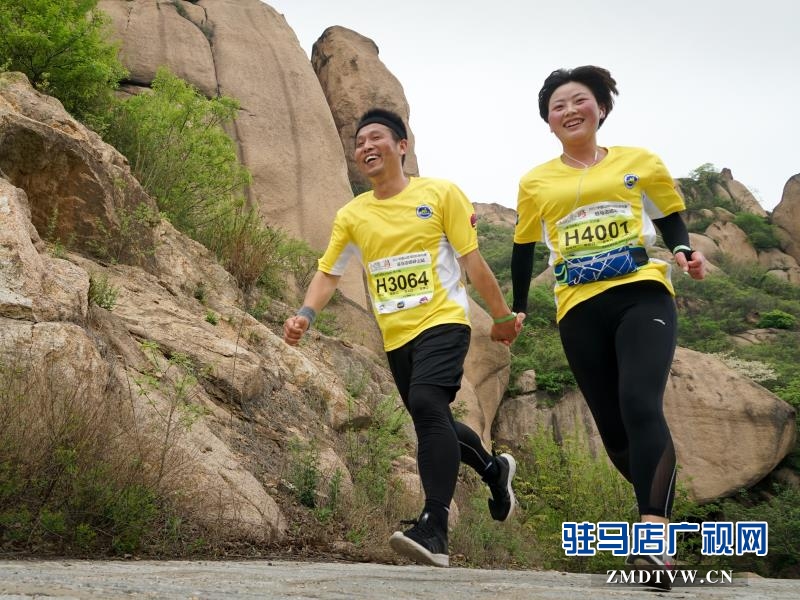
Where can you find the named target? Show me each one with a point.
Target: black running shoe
(658, 565)
(501, 504)
(425, 543)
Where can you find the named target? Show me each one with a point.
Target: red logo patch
(473, 219)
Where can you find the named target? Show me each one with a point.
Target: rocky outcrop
(80, 190)
(708, 406)
(732, 241)
(496, 214)
(786, 217)
(244, 49)
(354, 79)
(740, 195)
(48, 327)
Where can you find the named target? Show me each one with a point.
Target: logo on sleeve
(630, 180)
(473, 220)
(424, 211)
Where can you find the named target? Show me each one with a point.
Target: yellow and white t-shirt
(409, 245)
(581, 212)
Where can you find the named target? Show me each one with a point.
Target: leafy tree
(60, 46)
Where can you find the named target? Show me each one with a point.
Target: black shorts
(435, 357)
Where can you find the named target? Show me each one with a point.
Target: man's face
(377, 152)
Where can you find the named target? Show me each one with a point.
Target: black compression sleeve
(673, 230)
(521, 270)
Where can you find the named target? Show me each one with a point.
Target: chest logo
(424, 211)
(630, 180)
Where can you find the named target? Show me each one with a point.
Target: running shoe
(653, 562)
(501, 504)
(425, 543)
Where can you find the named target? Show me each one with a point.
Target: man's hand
(507, 332)
(293, 329)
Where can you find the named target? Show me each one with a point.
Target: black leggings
(620, 345)
(428, 373)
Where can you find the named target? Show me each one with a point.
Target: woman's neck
(583, 156)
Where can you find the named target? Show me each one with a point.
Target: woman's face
(573, 113)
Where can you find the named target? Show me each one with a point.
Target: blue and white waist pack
(613, 263)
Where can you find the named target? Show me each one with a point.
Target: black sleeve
(521, 270)
(674, 232)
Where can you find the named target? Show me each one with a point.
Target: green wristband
(505, 319)
(682, 248)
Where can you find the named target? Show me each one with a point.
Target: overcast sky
(700, 81)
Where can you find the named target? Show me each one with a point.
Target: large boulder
(172, 33)
(732, 241)
(786, 217)
(354, 79)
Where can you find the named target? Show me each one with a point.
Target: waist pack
(585, 269)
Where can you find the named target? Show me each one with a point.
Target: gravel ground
(267, 580)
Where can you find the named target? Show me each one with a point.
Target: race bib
(401, 282)
(597, 228)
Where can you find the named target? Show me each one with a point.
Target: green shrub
(777, 319)
(304, 472)
(539, 346)
(61, 46)
(102, 292)
(68, 481)
(563, 482)
(782, 513)
(759, 232)
(371, 450)
(178, 150)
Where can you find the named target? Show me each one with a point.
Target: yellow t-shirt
(408, 245)
(582, 212)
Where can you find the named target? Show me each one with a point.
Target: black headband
(398, 128)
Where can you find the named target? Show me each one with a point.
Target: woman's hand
(694, 267)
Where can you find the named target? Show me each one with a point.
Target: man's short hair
(384, 117)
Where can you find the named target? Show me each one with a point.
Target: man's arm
(482, 278)
(319, 293)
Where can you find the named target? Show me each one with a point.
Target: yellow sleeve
(529, 223)
(459, 221)
(661, 198)
(339, 250)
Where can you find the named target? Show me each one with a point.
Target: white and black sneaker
(654, 562)
(425, 543)
(502, 502)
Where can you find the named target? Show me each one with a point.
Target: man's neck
(386, 188)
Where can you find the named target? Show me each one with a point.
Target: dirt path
(268, 580)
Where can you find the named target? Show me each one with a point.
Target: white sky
(701, 81)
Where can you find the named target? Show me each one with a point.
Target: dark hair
(385, 117)
(597, 79)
